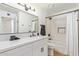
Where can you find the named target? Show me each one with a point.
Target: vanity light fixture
(27, 7)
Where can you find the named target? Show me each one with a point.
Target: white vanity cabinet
(40, 48)
(36, 48)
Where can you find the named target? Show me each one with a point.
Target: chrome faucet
(32, 34)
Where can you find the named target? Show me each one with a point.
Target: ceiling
(54, 7)
(49, 8)
(8, 8)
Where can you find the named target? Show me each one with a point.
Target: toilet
(51, 48)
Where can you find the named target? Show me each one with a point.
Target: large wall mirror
(13, 20)
(27, 22)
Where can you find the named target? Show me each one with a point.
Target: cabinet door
(36, 50)
(43, 49)
(40, 48)
(25, 50)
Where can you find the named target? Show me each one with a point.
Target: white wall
(41, 16)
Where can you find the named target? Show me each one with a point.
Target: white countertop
(7, 45)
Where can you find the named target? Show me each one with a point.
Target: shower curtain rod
(63, 13)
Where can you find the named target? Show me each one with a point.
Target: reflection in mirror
(35, 25)
(8, 19)
(27, 22)
(7, 25)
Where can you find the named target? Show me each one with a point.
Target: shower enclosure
(64, 24)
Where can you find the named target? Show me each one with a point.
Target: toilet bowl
(51, 47)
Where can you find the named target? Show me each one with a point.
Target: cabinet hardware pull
(42, 49)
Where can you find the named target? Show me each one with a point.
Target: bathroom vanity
(15, 22)
(27, 46)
